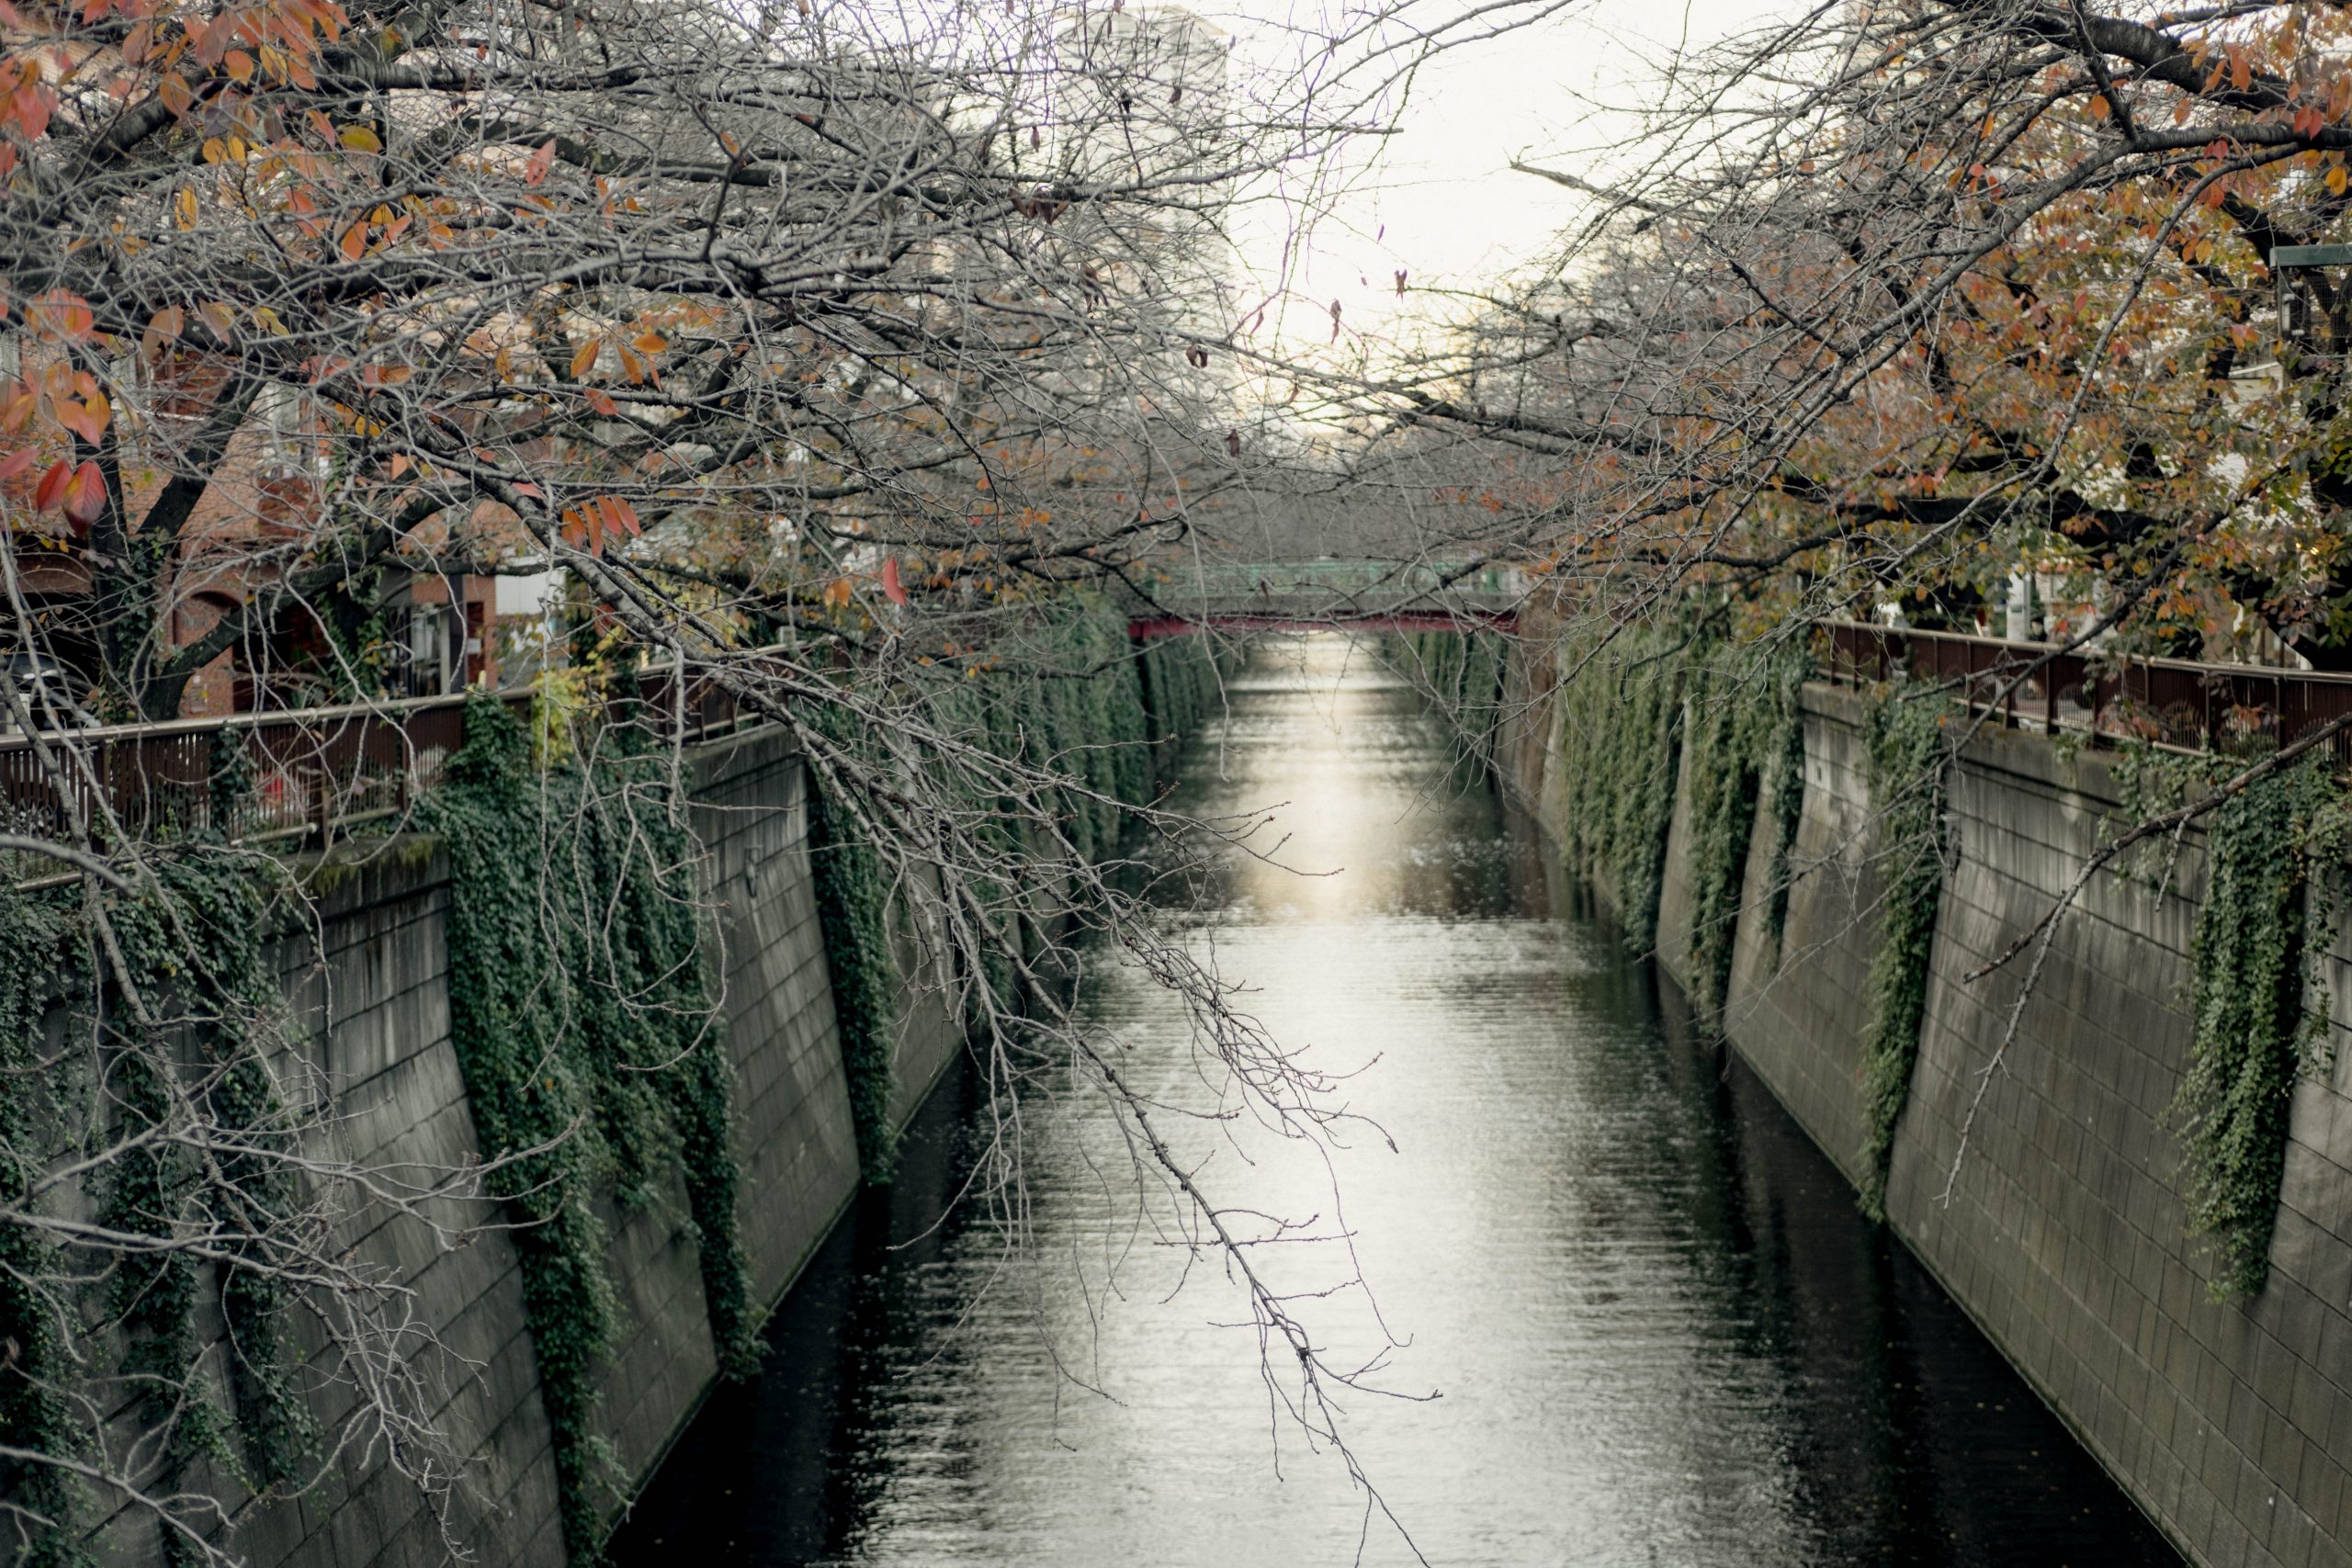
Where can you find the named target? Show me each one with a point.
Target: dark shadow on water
(766, 1472)
(1919, 1442)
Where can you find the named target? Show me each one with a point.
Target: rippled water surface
(1657, 1331)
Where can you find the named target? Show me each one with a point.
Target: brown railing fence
(313, 772)
(2177, 703)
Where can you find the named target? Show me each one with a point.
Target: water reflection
(1661, 1333)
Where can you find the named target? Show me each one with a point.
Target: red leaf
(541, 161)
(619, 516)
(85, 494)
(53, 485)
(583, 529)
(15, 463)
(601, 401)
(892, 588)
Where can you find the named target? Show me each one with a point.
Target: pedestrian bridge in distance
(1331, 595)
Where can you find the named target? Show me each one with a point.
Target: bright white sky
(1441, 200)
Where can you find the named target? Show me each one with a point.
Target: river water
(1657, 1331)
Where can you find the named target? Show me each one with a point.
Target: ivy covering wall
(1787, 808)
(1903, 749)
(575, 965)
(1463, 673)
(1641, 713)
(1082, 702)
(1741, 720)
(34, 1413)
(578, 961)
(2274, 873)
(852, 908)
(1621, 737)
(194, 941)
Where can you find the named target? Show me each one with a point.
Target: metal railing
(1344, 580)
(2176, 703)
(312, 771)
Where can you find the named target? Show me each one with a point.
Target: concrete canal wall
(2062, 1235)
(379, 1003)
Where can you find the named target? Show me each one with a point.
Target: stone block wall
(374, 995)
(931, 1034)
(2059, 1226)
(371, 991)
(797, 1148)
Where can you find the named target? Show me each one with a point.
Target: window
(291, 442)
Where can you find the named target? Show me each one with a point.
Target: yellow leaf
(184, 207)
(267, 319)
(2336, 180)
(583, 358)
(2101, 107)
(359, 139)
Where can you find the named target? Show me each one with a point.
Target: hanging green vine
(194, 944)
(35, 1415)
(575, 966)
(1903, 746)
(1081, 702)
(224, 905)
(853, 908)
(1077, 703)
(1787, 809)
(1623, 723)
(2274, 855)
(1741, 710)
(1179, 686)
(1462, 672)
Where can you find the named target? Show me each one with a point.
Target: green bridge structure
(1327, 595)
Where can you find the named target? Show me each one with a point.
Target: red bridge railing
(2177, 703)
(314, 771)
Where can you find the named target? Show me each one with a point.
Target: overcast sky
(1442, 201)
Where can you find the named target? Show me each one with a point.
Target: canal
(1658, 1330)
